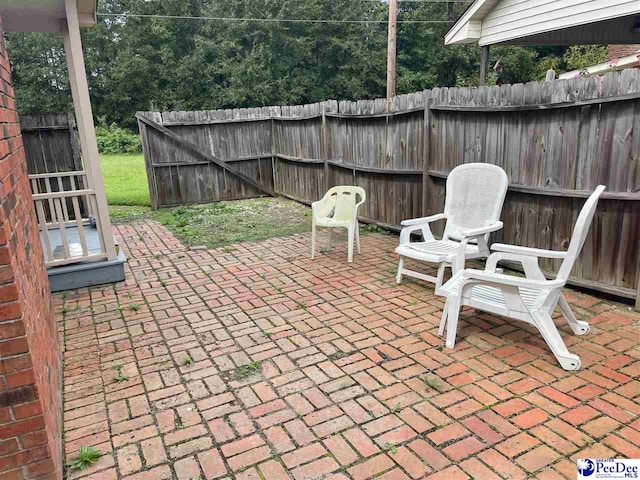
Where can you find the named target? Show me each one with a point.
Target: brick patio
(254, 362)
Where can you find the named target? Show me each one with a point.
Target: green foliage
(86, 457)
(390, 447)
(182, 64)
(70, 308)
(373, 228)
(113, 139)
(578, 57)
(39, 72)
(431, 382)
(246, 371)
(128, 214)
(547, 63)
(121, 377)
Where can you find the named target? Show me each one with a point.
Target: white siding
(467, 29)
(511, 19)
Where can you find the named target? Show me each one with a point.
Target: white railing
(67, 212)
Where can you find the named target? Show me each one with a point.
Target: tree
(136, 64)
(39, 72)
(578, 57)
(257, 63)
(188, 64)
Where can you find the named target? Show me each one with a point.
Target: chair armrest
(323, 207)
(529, 264)
(419, 221)
(499, 278)
(528, 251)
(473, 232)
(470, 234)
(405, 233)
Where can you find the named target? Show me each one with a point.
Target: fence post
(427, 182)
(151, 171)
(273, 151)
(325, 148)
(637, 306)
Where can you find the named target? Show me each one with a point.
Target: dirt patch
(223, 223)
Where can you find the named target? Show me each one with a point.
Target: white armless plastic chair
(338, 209)
(475, 195)
(531, 299)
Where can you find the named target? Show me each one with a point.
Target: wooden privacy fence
(54, 161)
(556, 140)
(50, 143)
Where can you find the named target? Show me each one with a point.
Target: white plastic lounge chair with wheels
(475, 195)
(531, 299)
(338, 209)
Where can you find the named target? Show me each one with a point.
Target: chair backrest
(346, 201)
(475, 195)
(580, 232)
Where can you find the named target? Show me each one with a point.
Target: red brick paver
(252, 361)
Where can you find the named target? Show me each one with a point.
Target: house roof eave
(467, 28)
(43, 15)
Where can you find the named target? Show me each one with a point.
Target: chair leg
(358, 237)
(400, 267)
(443, 319)
(544, 323)
(578, 326)
(440, 276)
(350, 234)
(313, 241)
(330, 238)
(453, 313)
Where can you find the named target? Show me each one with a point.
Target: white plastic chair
(338, 209)
(531, 299)
(475, 195)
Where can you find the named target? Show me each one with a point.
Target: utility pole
(391, 49)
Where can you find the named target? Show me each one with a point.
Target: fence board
(556, 140)
(50, 143)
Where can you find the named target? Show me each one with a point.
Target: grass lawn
(214, 224)
(125, 179)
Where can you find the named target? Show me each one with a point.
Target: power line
(270, 20)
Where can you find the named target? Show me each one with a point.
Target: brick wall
(30, 401)
(617, 51)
